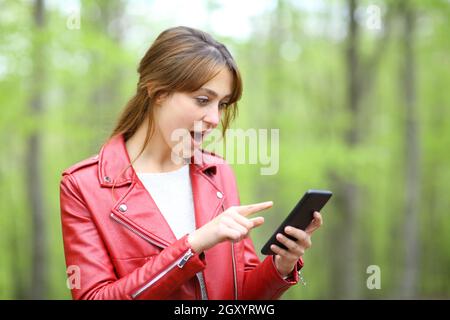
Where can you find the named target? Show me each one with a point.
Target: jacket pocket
(133, 243)
(125, 266)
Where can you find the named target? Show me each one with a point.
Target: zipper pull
(185, 258)
(300, 276)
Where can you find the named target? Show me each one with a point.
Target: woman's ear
(149, 90)
(158, 98)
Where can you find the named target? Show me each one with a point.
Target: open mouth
(197, 136)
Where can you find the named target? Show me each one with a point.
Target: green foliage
(295, 80)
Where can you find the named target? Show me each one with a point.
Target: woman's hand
(232, 225)
(285, 260)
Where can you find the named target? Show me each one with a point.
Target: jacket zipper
(234, 271)
(180, 263)
(135, 231)
(201, 282)
(234, 267)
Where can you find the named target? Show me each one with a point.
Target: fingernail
(288, 229)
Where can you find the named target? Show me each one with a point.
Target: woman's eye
(202, 101)
(223, 105)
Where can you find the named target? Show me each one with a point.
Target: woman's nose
(213, 116)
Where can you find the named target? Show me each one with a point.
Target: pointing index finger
(252, 208)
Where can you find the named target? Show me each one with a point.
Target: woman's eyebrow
(212, 93)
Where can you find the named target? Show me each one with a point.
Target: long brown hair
(181, 59)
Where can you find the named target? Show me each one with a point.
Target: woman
(168, 224)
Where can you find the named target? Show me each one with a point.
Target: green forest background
(358, 89)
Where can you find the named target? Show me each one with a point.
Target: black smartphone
(300, 217)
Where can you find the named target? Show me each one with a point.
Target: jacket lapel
(208, 198)
(133, 203)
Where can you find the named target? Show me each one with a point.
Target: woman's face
(185, 118)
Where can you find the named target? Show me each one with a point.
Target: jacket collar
(114, 167)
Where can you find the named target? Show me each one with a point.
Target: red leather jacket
(122, 247)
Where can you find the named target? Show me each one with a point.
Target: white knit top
(172, 193)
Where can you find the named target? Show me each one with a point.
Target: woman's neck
(156, 157)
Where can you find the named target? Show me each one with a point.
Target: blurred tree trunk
(361, 78)
(106, 93)
(274, 81)
(412, 157)
(34, 179)
(274, 64)
(345, 275)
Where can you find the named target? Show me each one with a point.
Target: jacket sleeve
(93, 274)
(261, 279)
